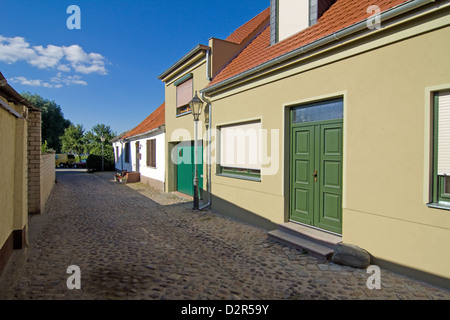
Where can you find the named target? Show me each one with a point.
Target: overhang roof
(8, 92)
(184, 59)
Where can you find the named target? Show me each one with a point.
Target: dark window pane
(320, 111)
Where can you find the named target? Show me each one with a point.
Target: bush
(94, 163)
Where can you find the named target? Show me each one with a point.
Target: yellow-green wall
(181, 128)
(386, 83)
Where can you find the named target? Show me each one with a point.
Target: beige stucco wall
(13, 157)
(181, 128)
(386, 85)
(7, 134)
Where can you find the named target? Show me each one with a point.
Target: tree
(53, 121)
(73, 140)
(93, 143)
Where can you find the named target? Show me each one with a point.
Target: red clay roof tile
(153, 121)
(342, 13)
(242, 32)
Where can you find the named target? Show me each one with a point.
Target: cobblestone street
(132, 242)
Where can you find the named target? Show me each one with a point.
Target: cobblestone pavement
(132, 242)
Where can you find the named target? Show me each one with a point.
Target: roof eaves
(13, 95)
(186, 57)
(139, 135)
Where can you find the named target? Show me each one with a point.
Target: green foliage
(44, 147)
(73, 140)
(93, 144)
(93, 140)
(94, 162)
(53, 121)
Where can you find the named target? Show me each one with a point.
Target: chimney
(288, 17)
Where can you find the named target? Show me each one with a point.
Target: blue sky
(106, 72)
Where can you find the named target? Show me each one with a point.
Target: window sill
(184, 114)
(236, 176)
(439, 205)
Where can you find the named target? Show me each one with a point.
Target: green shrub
(94, 162)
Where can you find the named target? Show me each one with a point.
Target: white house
(142, 149)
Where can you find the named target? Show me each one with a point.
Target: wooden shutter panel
(154, 153)
(444, 134)
(151, 153)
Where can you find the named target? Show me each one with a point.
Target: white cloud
(49, 57)
(56, 82)
(59, 79)
(27, 82)
(60, 58)
(83, 62)
(15, 49)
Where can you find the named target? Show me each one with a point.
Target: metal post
(102, 158)
(196, 199)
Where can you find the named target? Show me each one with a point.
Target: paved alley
(132, 242)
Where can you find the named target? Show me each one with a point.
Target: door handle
(315, 176)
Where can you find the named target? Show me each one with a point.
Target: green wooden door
(185, 170)
(316, 174)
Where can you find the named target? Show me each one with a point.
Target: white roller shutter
(444, 134)
(240, 146)
(184, 93)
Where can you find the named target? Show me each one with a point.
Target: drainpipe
(208, 181)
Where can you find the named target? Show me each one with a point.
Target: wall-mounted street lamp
(102, 138)
(196, 106)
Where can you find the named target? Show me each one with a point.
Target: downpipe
(208, 181)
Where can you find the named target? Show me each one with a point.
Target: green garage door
(316, 166)
(185, 169)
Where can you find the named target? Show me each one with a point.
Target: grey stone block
(351, 255)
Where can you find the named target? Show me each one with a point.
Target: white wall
(120, 163)
(157, 173)
(293, 17)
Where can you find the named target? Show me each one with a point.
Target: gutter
(8, 108)
(359, 26)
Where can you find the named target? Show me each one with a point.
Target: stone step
(319, 236)
(318, 243)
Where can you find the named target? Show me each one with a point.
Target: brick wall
(47, 176)
(34, 162)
